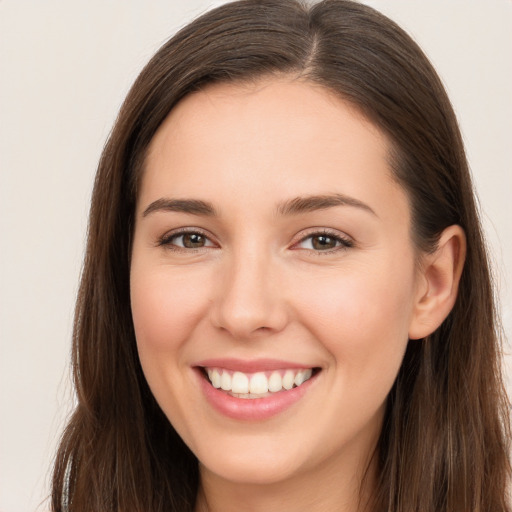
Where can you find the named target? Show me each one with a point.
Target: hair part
(444, 444)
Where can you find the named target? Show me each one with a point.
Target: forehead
(267, 139)
(287, 107)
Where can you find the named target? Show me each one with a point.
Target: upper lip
(251, 366)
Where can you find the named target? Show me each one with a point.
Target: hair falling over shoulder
(445, 440)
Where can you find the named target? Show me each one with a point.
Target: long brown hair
(444, 444)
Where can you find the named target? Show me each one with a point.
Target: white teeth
(249, 395)
(275, 382)
(239, 383)
(256, 385)
(225, 381)
(259, 384)
(302, 376)
(288, 379)
(215, 378)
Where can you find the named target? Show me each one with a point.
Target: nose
(250, 300)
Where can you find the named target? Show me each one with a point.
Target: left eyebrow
(192, 206)
(320, 202)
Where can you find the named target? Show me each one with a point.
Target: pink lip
(254, 409)
(253, 366)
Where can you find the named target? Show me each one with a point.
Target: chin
(258, 470)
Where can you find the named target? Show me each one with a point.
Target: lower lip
(253, 409)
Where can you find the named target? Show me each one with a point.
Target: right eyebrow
(192, 206)
(320, 202)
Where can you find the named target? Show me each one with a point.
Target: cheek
(361, 315)
(166, 307)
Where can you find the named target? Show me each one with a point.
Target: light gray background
(64, 70)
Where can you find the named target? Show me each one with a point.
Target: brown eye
(193, 240)
(186, 240)
(323, 242)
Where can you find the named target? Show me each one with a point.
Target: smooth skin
(248, 275)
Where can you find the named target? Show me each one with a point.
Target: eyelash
(343, 243)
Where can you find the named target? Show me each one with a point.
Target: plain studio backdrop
(65, 68)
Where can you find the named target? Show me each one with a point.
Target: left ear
(438, 282)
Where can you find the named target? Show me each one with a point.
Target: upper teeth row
(257, 383)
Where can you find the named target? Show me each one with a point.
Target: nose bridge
(250, 299)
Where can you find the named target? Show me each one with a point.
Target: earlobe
(440, 276)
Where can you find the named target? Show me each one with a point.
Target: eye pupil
(323, 242)
(193, 240)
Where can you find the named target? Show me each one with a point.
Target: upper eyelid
(184, 231)
(322, 231)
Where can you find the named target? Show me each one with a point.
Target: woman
(286, 300)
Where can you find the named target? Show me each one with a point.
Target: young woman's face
(272, 246)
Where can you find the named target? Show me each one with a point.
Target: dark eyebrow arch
(320, 202)
(192, 206)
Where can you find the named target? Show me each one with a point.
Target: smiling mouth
(257, 385)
